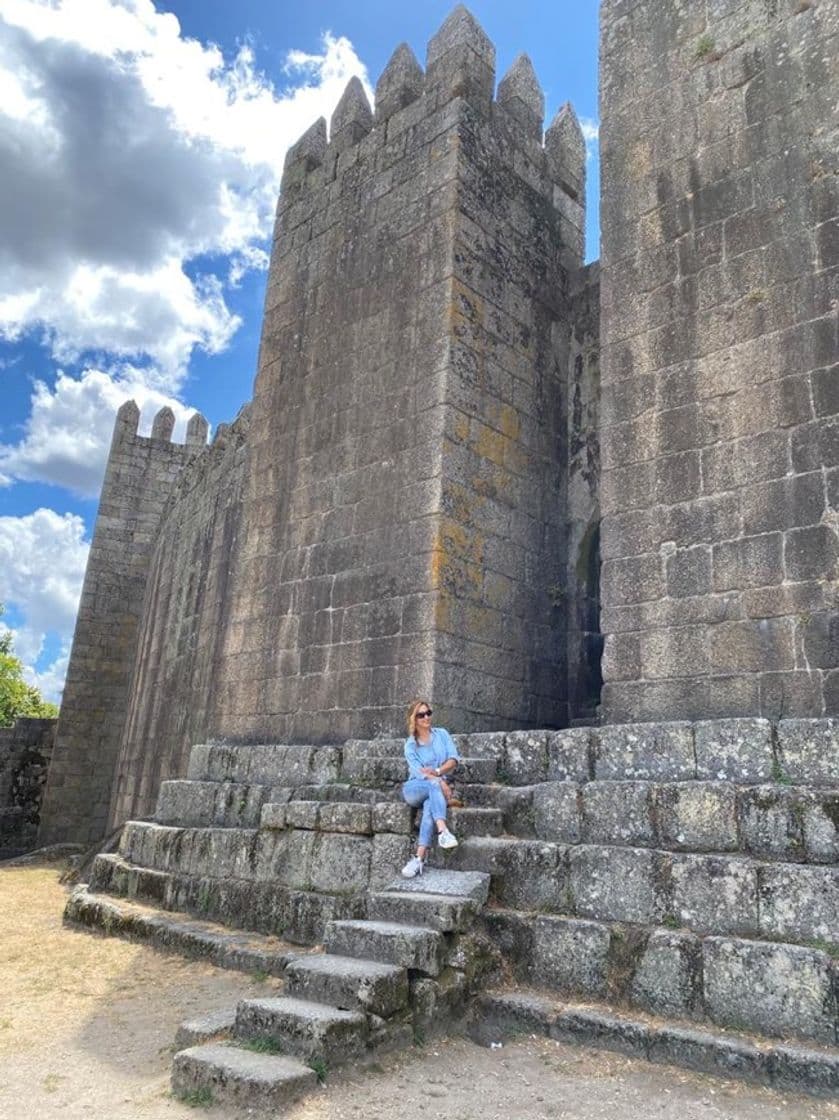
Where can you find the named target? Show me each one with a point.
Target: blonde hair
(412, 715)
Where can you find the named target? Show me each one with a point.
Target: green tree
(17, 698)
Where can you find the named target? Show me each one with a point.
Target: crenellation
(520, 95)
(163, 424)
(196, 430)
(351, 121)
(460, 62)
(565, 147)
(402, 82)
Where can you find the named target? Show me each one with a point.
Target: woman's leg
(417, 792)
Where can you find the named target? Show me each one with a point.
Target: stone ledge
(802, 1069)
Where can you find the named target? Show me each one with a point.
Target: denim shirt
(433, 754)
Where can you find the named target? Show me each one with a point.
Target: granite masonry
(25, 752)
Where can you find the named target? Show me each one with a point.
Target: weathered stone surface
(570, 955)
(526, 874)
(341, 863)
(206, 1028)
(413, 908)
(525, 757)
(648, 752)
(668, 979)
(808, 751)
(570, 755)
(380, 989)
(701, 1050)
(345, 818)
(813, 1071)
(618, 884)
(775, 989)
(388, 942)
(715, 894)
(556, 812)
(800, 903)
(240, 1078)
(312, 1031)
(771, 821)
(618, 813)
(697, 816)
(392, 817)
(734, 750)
(608, 1032)
(25, 752)
(458, 884)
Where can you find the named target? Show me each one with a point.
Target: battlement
(127, 423)
(409, 102)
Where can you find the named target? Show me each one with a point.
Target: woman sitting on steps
(431, 756)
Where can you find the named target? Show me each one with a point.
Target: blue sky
(141, 146)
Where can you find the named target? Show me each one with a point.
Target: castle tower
(138, 481)
(404, 522)
(720, 488)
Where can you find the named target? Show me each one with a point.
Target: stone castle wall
(184, 617)
(719, 336)
(138, 480)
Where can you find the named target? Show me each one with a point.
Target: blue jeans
(426, 792)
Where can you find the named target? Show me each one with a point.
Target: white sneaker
(446, 840)
(414, 866)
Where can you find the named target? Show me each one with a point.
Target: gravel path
(87, 1023)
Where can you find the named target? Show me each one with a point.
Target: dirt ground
(87, 1024)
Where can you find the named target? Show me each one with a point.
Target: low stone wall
(25, 754)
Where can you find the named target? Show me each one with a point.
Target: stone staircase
(682, 871)
(379, 983)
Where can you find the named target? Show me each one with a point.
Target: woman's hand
(428, 772)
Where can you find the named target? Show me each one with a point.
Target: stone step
(476, 822)
(339, 791)
(458, 884)
(314, 1032)
(710, 894)
(298, 915)
(408, 946)
(785, 1066)
(264, 764)
(212, 1027)
(393, 771)
(201, 804)
(356, 985)
(441, 912)
(178, 933)
(772, 987)
(234, 1078)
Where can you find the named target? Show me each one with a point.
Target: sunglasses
(425, 715)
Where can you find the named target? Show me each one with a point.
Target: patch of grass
(778, 775)
(262, 1044)
(198, 1098)
(319, 1067)
(419, 1036)
(705, 48)
(829, 947)
(670, 921)
(259, 976)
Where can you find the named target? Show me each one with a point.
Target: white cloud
(591, 134)
(68, 433)
(42, 562)
(127, 153)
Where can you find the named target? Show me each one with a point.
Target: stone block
(604, 1031)
(800, 903)
(526, 874)
(779, 990)
(416, 909)
(709, 1053)
(556, 812)
(390, 853)
(482, 744)
(345, 817)
(697, 816)
(569, 755)
(618, 884)
(570, 955)
(525, 757)
(312, 1031)
(380, 989)
(473, 885)
(302, 814)
(808, 751)
(239, 1079)
(340, 863)
(406, 946)
(715, 894)
(668, 979)
(290, 860)
(771, 821)
(821, 827)
(510, 1013)
(391, 816)
(617, 813)
(512, 934)
(734, 750)
(802, 1070)
(658, 752)
(273, 816)
(516, 805)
